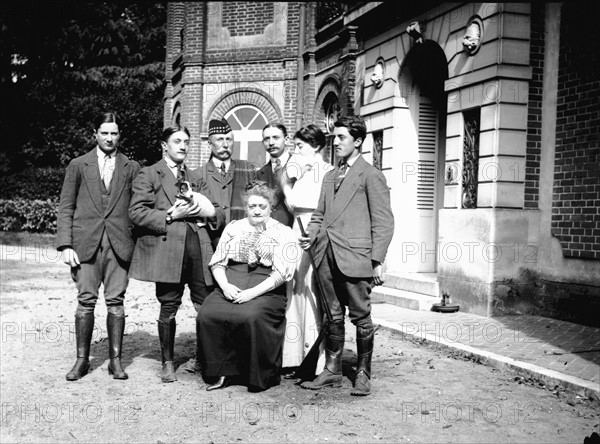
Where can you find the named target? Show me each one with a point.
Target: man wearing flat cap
(225, 177)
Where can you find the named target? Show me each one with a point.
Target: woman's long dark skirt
(244, 340)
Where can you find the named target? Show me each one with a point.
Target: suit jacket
(159, 250)
(227, 191)
(239, 174)
(280, 211)
(82, 216)
(357, 220)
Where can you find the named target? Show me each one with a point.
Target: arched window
(177, 114)
(247, 123)
(331, 108)
(332, 111)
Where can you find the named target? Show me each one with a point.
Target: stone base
(473, 297)
(527, 293)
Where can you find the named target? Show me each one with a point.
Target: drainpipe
(300, 86)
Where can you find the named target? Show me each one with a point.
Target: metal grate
(426, 168)
(470, 159)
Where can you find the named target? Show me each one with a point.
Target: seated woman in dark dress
(242, 322)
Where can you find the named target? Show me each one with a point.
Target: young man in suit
(173, 246)
(94, 235)
(225, 177)
(349, 233)
(275, 137)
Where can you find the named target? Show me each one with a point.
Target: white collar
(350, 162)
(171, 163)
(101, 154)
(218, 163)
(283, 158)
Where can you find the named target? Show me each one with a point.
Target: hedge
(38, 216)
(33, 184)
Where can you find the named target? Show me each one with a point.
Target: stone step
(403, 298)
(422, 283)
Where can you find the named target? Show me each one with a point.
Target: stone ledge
(423, 283)
(402, 298)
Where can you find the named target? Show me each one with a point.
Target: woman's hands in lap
(237, 296)
(244, 296)
(230, 292)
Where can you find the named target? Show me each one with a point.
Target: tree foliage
(62, 63)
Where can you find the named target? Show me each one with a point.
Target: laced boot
(84, 327)
(364, 346)
(116, 327)
(331, 376)
(166, 333)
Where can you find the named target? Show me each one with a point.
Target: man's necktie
(180, 173)
(343, 168)
(107, 172)
(277, 167)
(223, 172)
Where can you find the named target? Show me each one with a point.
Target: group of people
(230, 232)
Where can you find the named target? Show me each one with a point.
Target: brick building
(484, 117)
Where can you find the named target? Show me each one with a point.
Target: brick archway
(245, 96)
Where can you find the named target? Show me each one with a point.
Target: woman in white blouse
(241, 325)
(302, 186)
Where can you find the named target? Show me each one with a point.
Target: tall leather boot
(116, 327)
(84, 327)
(364, 347)
(166, 333)
(331, 376)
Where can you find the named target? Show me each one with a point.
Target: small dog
(184, 197)
(185, 192)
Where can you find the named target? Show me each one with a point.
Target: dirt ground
(420, 394)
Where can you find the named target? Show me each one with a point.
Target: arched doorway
(421, 81)
(327, 111)
(247, 123)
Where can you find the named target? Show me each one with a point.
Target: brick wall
(534, 118)
(175, 23)
(576, 194)
(249, 66)
(247, 18)
(529, 292)
(245, 72)
(293, 26)
(196, 16)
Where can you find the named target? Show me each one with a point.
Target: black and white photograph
(296, 222)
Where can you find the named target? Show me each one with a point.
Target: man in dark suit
(275, 137)
(94, 235)
(225, 177)
(173, 246)
(350, 232)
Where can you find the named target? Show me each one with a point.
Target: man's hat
(218, 127)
